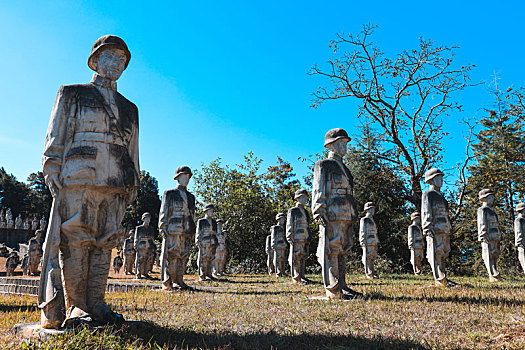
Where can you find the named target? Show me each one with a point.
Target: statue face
(183, 179)
(147, 220)
(209, 213)
(489, 200)
(303, 200)
(438, 181)
(282, 221)
(111, 63)
(417, 220)
(371, 211)
(339, 147)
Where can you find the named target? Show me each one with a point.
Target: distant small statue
(368, 240)
(35, 253)
(34, 224)
(10, 223)
(270, 255)
(221, 252)
(11, 264)
(278, 243)
(206, 241)
(43, 223)
(488, 233)
(27, 224)
(436, 226)
(24, 264)
(3, 223)
(18, 222)
(129, 253)
(177, 226)
(416, 243)
(144, 246)
(297, 235)
(519, 234)
(117, 263)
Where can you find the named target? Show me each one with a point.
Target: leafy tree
(13, 193)
(404, 98)
(40, 198)
(282, 185)
(147, 201)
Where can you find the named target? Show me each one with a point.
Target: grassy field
(262, 312)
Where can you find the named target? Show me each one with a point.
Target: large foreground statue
(91, 166)
(368, 240)
(416, 243)
(145, 247)
(177, 226)
(519, 234)
(436, 225)
(488, 233)
(334, 208)
(297, 235)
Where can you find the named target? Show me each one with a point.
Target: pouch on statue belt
(371, 239)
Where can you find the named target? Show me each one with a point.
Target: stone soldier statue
(488, 233)
(334, 208)
(369, 240)
(19, 222)
(43, 223)
(10, 223)
(117, 263)
(415, 242)
(297, 235)
(24, 264)
(11, 264)
(35, 253)
(129, 253)
(436, 225)
(221, 252)
(144, 246)
(519, 234)
(91, 166)
(270, 255)
(177, 226)
(34, 224)
(27, 224)
(278, 244)
(206, 241)
(3, 223)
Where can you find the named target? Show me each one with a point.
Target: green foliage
(40, 198)
(13, 194)
(147, 201)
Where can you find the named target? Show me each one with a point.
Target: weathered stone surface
(278, 243)
(270, 254)
(368, 240)
(436, 225)
(221, 252)
(206, 241)
(416, 243)
(298, 236)
(519, 234)
(91, 167)
(488, 233)
(145, 247)
(334, 208)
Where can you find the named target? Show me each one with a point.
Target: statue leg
(74, 266)
(485, 254)
(365, 261)
(495, 252)
(521, 257)
(99, 263)
(413, 260)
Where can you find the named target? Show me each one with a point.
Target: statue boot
(74, 267)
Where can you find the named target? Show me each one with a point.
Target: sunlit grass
(252, 312)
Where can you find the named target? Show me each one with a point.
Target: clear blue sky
(221, 78)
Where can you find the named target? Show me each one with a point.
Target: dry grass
(260, 312)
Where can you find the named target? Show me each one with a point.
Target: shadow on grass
(148, 334)
(449, 299)
(17, 308)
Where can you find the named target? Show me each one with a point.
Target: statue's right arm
(290, 227)
(482, 225)
(518, 232)
(410, 238)
(319, 194)
(56, 139)
(163, 215)
(427, 216)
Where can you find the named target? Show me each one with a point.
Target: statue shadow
(227, 280)
(220, 290)
(18, 308)
(152, 335)
(447, 299)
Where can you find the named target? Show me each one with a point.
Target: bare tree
(404, 97)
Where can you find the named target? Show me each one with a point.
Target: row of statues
(6, 221)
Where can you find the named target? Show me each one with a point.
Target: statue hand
(322, 220)
(54, 184)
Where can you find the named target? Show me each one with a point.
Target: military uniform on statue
(334, 208)
(177, 226)
(144, 246)
(297, 234)
(91, 166)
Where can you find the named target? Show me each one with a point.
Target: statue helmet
(432, 173)
(369, 205)
(300, 193)
(104, 42)
(484, 193)
(146, 215)
(415, 215)
(520, 207)
(279, 215)
(209, 206)
(182, 170)
(334, 135)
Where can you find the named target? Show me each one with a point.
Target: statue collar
(180, 187)
(106, 83)
(335, 156)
